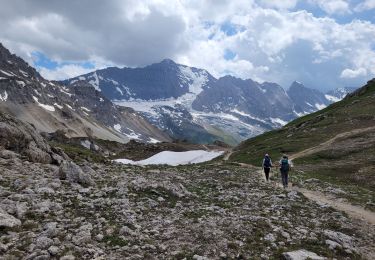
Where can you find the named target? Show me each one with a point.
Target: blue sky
(323, 43)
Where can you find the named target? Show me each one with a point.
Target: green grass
(78, 153)
(114, 240)
(310, 130)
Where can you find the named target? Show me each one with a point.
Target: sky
(324, 44)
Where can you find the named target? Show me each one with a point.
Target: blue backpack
(267, 162)
(284, 165)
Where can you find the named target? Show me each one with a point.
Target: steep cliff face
(79, 110)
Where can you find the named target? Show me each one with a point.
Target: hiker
(266, 165)
(285, 166)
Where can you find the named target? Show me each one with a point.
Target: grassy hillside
(348, 161)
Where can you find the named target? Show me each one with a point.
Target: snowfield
(175, 158)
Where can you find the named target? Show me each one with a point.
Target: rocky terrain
(194, 212)
(81, 111)
(53, 208)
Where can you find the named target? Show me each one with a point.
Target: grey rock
(43, 242)
(22, 138)
(7, 220)
(302, 254)
(7, 154)
(73, 173)
(53, 250)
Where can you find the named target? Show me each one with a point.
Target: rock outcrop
(23, 139)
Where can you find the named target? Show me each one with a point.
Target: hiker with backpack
(266, 165)
(285, 166)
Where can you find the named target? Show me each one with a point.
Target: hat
(285, 156)
(267, 154)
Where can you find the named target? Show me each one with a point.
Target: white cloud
(269, 41)
(285, 4)
(333, 6)
(365, 5)
(63, 72)
(349, 73)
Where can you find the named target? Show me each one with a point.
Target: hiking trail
(329, 142)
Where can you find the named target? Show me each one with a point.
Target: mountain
(79, 110)
(335, 146)
(189, 103)
(306, 100)
(338, 94)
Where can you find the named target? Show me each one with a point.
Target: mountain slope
(336, 144)
(79, 110)
(306, 100)
(189, 103)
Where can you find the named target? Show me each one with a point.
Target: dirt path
(326, 144)
(352, 210)
(321, 198)
(227, 155)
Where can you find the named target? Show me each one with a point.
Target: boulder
(73, 173)
(302, 254)
(8, 221)
(23, 139)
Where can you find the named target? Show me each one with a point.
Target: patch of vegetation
(170, 199)
(78, 153)
(114, 240)
(310, 130)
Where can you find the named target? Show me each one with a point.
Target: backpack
(284, 165)
(267, 162)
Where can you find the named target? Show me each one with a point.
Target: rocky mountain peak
(13, 66)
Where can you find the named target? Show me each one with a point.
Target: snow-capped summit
(306, 100)
(189, 103)
(80, 110)
(339, 93)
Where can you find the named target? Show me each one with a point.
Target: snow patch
(9, 74)
(69, 106)
(320, 106)
(153, 141)
(278, 121)
(332, 98)
(46, 107)
(4, 97)
(24, 73)
(301, 114)
(21, 83)
(114, 82)
(95, 81)
(176, 158)
(117, 127)
(37, 92)
(86, 109)
(247, 115)
(120, 91)
(196, 79)
(58, 106)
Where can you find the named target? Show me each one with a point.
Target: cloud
(63, 72)
(365, 5)
(285, 4)
(260, 39)
(333, 6)
(349, 73)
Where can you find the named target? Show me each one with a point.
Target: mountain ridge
(79, 110)
(216, 108)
